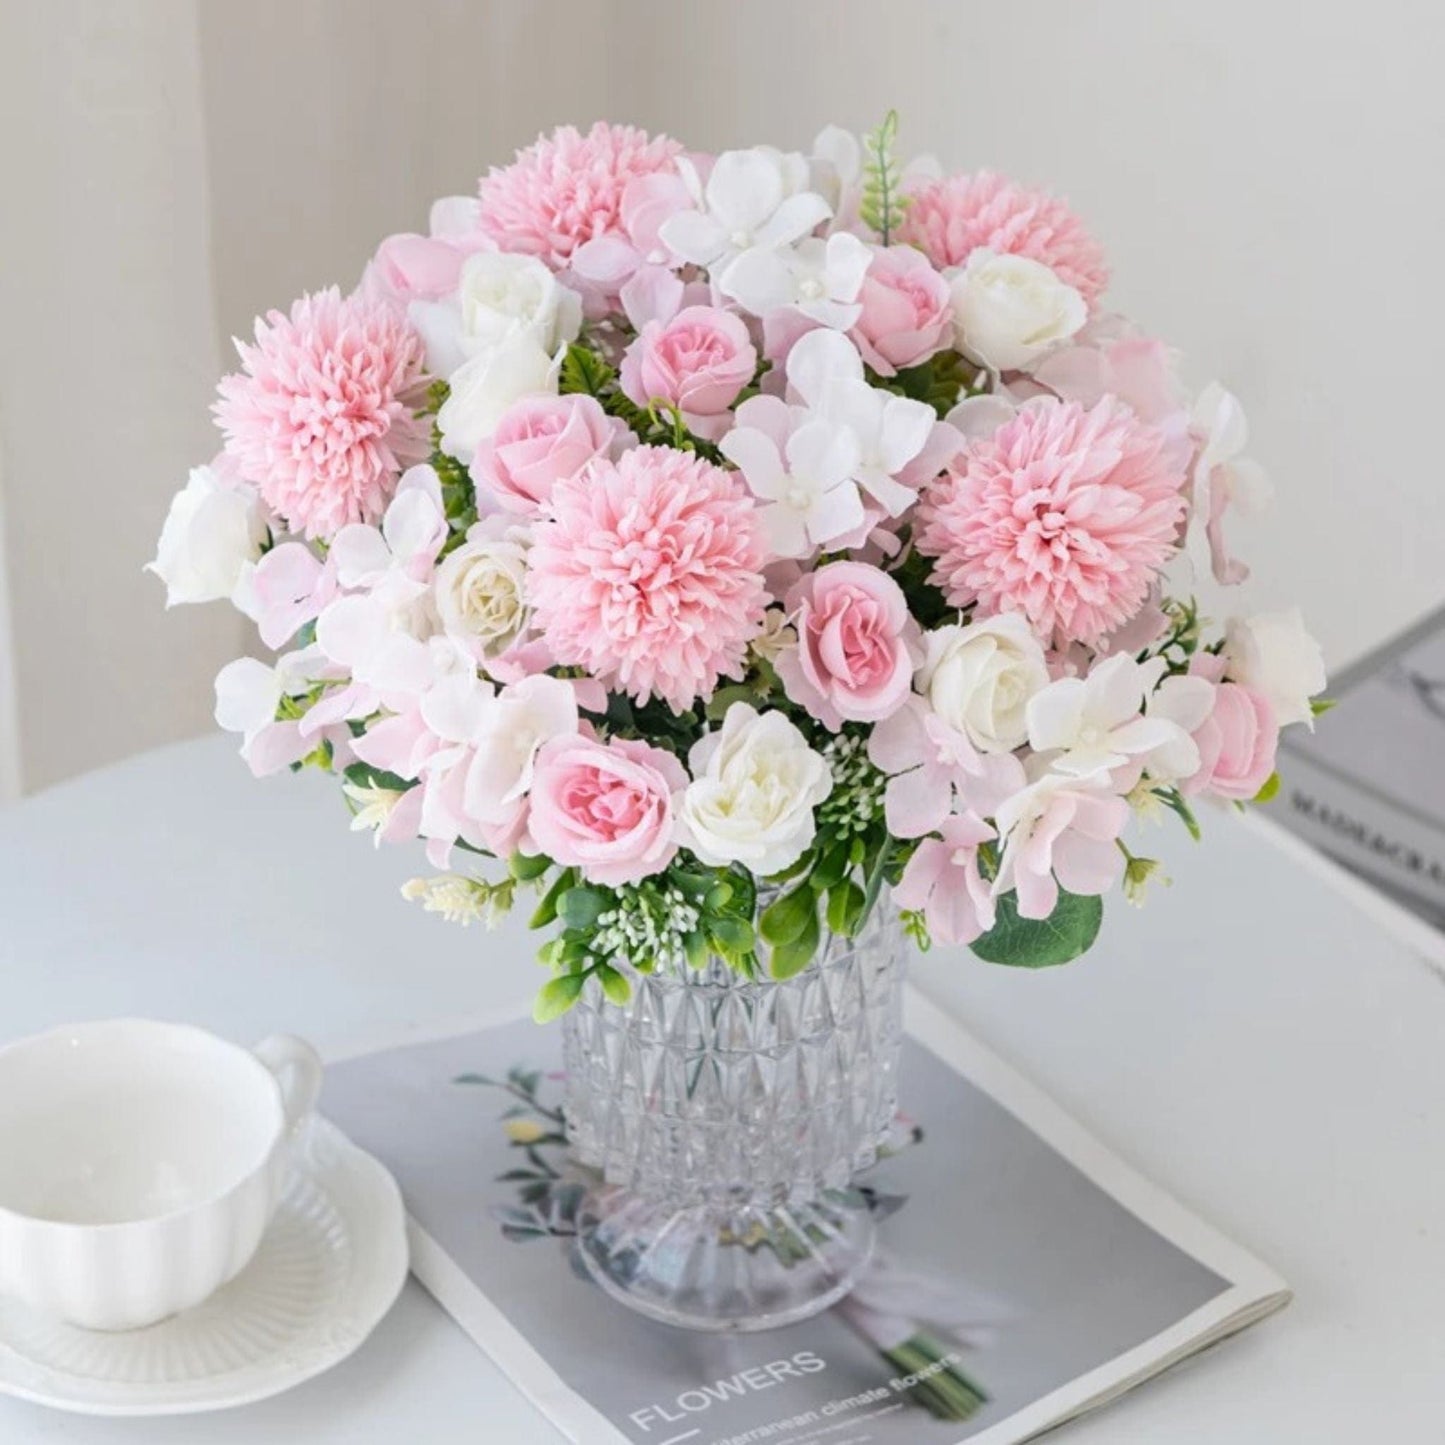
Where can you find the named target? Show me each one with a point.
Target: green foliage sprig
(883, 201)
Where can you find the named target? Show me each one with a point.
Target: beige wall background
(1266, 177)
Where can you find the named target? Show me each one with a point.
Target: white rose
(211, 532)
(1009, 310)
(480, 589)
(1273, 655)
(500, 295)
(756, 783)
(488, 384)
(979, 679)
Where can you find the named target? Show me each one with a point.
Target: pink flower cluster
(657, 506)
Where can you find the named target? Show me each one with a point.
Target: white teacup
(140, 1163)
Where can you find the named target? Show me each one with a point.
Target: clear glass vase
(725, 1122)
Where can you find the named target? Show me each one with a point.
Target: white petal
(1056, 714)
(759, 281)
(819, 358)
(793, 220)
(835, 513)
(755, 454)
(694, 237)
(846, 264)
(744, 189)
(247, 695)
(361, 555)
(1115, 691)
(414, 524)
(784, 530)
(841, 150)
(350, 629)
(906, 427)
(824, 451)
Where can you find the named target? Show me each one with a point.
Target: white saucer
(330, 1266)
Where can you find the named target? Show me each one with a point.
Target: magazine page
(1022, 1274)
(1367, 787)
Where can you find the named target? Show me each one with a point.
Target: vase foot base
(725, 1268)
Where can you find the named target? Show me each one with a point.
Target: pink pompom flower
(543, 440)
(606, 808)
(698, 361)
(567, 188)
(857, 645)
(906, 316)
(946, 219)
(320, 417)
(1064, 514)
(646, 571)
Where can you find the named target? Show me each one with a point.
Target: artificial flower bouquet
(718, 541)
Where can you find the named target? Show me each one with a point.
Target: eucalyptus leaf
(581, 907)
(1045, 942)
(788, 917)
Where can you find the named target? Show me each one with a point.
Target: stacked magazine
(1368, 787)
(1024, 1275)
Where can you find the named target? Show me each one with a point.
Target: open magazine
(1367, 787)
(1024, 1274)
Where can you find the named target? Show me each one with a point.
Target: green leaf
(732, 935)
(614, 984)
(845, 908)
(788, 917)
(830, 868)
(1269, 791)
(1041, 943)
(581, 907)
(1319, 706)
(365, 776)
(525, 868)
(718, 896)
(547, 908)
(557, 996)
(793, 957)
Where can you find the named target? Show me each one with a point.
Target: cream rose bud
(211, 532)
(755, 785)
(481, 588)
(500, 295)
(485, 387)
(1009, 310)
(1273, 655)
(979, 678)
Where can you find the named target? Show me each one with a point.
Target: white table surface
(1254, 1040)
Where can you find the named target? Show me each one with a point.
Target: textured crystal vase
(726, 1122)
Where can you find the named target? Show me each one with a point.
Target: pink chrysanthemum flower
(567, 188)
(646, 572)
(320, 417)
(1064, 514)
(947, 219)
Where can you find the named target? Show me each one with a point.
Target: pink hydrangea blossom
(320, 417)
(857, 645)
(698, 361)
(1060, 830)
(543, 440)
(943, 881)
(647, 572)
(1065, 514)
(567, 188)
(932, 766)
(907, 315)
(606, 808)
(946, 219)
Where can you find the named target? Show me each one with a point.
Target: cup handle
(297, 1068)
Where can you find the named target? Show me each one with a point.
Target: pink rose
(542, 440)
(856, 645)
(408, 267)
(1237, 743)
(907, 315)
(699, 361)
(606, 808)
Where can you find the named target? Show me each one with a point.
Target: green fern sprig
(883, 202)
